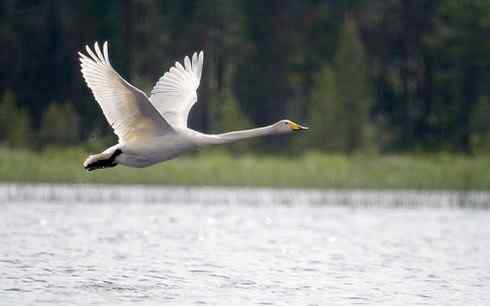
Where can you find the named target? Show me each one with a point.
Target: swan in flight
(154, 129)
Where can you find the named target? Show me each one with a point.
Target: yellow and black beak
(296, 127)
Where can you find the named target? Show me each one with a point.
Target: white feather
(154, 129)
(175, 93)
(126, 108)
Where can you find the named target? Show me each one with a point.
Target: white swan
(154, 129)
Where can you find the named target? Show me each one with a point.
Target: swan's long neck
(238, 135)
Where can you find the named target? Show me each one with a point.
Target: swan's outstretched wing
(126, 108)
(175, 93)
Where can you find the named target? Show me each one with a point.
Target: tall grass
(311, 170)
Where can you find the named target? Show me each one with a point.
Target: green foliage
(435, 172)
(353, 87)
(229, 117)
(459, 48)
(60, 125)
(341, 98)
(232, 117)
(480, 125)
(15, 130)
(328, 117)
(428, 65)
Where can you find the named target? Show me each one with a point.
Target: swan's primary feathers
(126, 108)
(154, 129)
(176, 91)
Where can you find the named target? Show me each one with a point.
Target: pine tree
(341, 98)
(352, 86)
(327, 115)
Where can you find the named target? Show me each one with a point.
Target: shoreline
(313, 171)
(214, 195)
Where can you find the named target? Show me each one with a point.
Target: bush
(15, 128)
(480, 125)
(60, 125)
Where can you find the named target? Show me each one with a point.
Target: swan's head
(287, 126)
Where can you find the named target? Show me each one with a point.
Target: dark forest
(383, 76)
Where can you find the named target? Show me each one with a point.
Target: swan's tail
(101, 161)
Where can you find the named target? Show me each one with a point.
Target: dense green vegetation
(387, 87)
(312, 170)
(382, 76)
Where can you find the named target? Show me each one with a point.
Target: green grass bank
(311, 170)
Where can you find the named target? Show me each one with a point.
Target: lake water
(107, 245)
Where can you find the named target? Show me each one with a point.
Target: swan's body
(154, 129)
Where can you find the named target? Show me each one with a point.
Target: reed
(311, 170)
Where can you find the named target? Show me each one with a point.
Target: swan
(154, 129)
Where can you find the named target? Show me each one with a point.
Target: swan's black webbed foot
(103, 163)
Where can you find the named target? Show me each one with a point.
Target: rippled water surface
(77, 250)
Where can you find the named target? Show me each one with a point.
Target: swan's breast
(153, 150)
